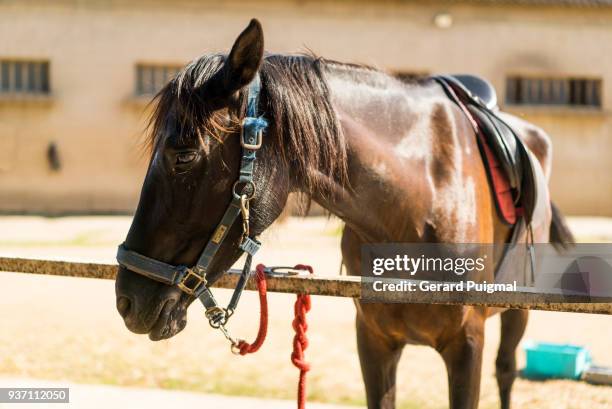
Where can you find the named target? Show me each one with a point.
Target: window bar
(44, 78)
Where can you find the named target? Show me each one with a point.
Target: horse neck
(388, 196)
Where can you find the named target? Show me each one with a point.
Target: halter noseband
(192, 280)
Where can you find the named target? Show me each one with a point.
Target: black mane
(296, 101)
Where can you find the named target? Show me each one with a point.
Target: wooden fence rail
(337, 286)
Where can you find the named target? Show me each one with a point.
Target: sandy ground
(67, 330)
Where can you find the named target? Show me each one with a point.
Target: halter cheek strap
(192, 280)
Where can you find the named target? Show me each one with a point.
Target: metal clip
(279, 271)
(244, 210)
(531, 248)
(217, 316)
(235, 342)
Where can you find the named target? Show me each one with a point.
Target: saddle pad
(499, 182)
(499, 176)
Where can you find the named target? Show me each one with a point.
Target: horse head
(189, 184)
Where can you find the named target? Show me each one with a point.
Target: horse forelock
(295, 99)
(180, 100)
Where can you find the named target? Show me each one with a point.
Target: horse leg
(378, 358)
(513, 323)
(463, 358)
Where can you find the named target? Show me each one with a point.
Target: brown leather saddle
(509, 167)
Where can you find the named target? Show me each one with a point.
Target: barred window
(24, 77)
(150, 79)
(574, 92)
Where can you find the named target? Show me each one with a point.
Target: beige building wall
(97, 123)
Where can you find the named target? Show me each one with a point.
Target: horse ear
(242, 63)
(246, 55)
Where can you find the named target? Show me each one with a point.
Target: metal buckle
(201, 281)
(251, 144)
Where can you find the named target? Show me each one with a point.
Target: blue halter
(192, 280)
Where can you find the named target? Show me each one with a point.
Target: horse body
(414, 166)
(397, 162)
(415, 175)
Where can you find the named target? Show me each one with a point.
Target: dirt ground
(67, 329)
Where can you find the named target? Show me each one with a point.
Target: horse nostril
(123, 306)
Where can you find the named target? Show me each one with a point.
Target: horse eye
(185, 157)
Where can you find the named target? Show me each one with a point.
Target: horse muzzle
(149, 307)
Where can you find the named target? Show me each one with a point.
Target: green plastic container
(558, 361)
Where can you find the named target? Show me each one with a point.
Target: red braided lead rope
(262, 288)
(300, 341)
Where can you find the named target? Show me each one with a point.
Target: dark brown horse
(396, 162)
